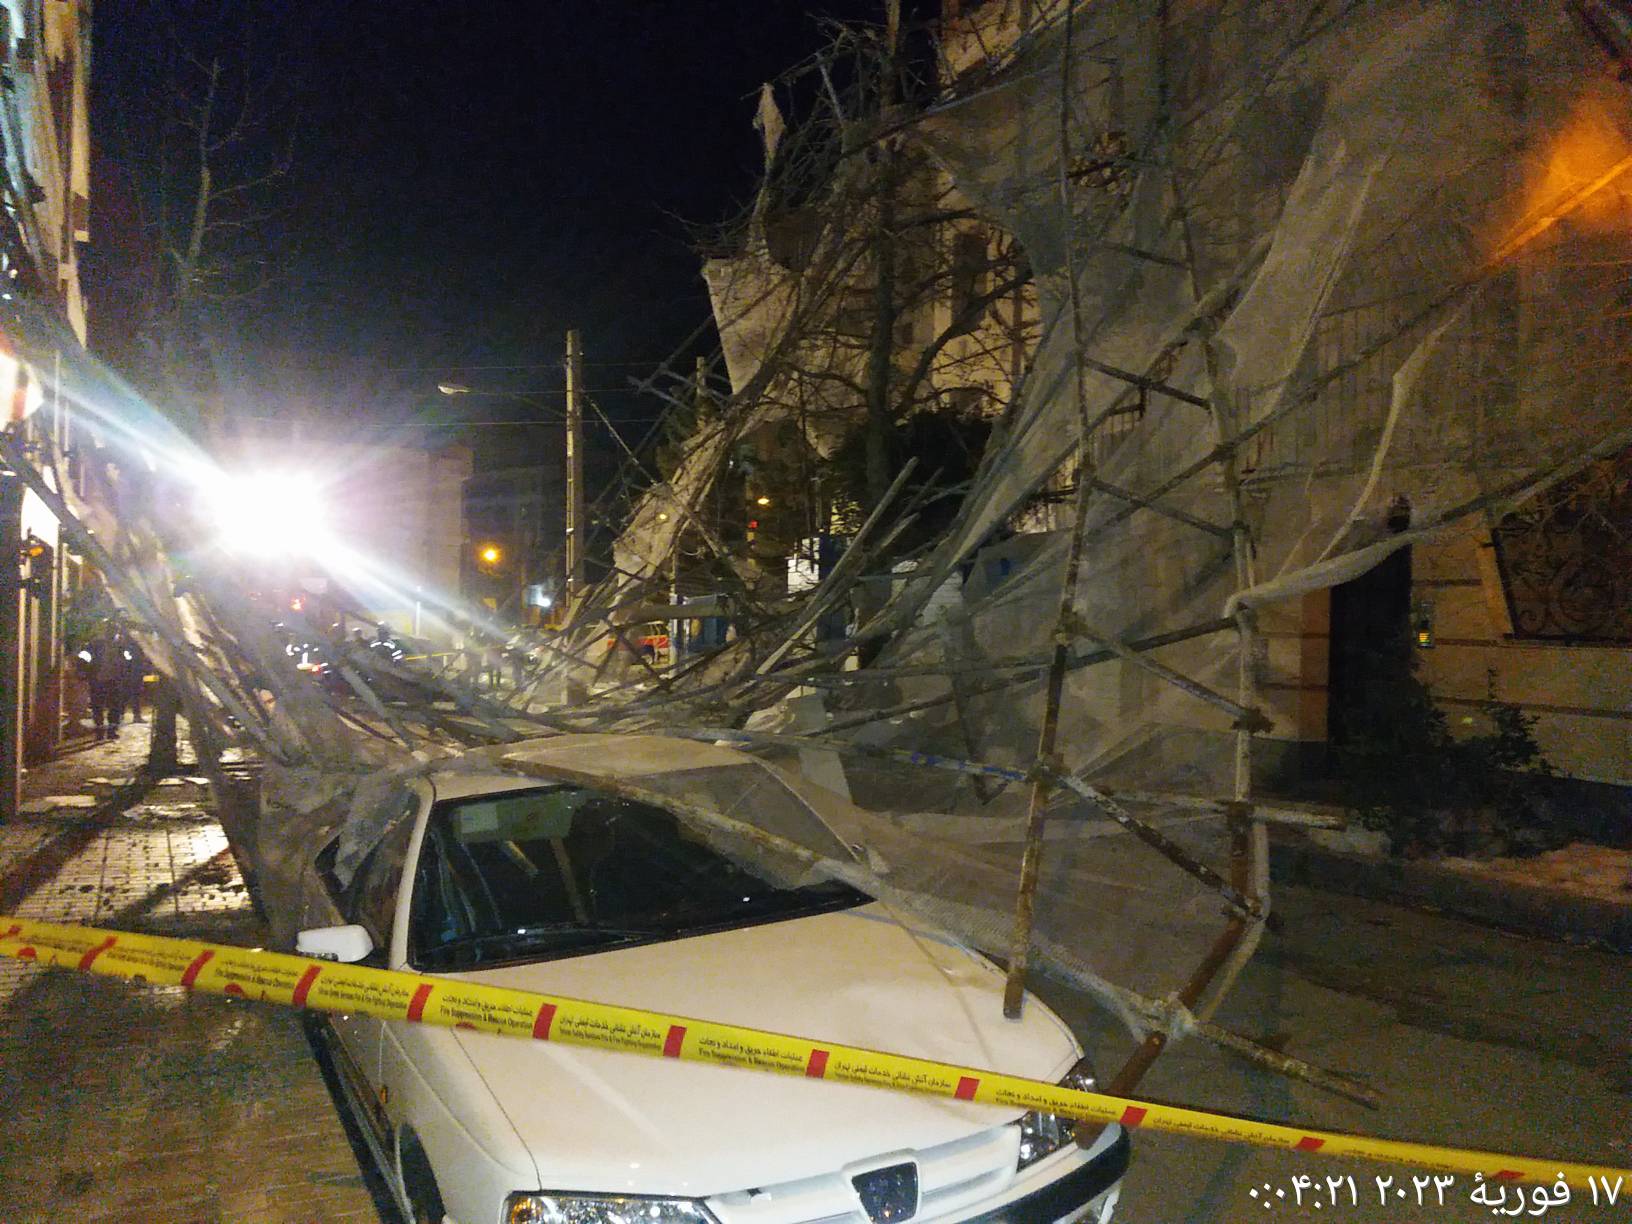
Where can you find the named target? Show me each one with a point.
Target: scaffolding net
(1306, 288)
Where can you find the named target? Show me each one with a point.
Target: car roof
(608, 755)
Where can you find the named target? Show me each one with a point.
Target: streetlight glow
(490, 554)
(266, 514)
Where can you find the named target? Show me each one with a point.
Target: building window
(1566, 558)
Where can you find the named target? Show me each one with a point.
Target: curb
(1522, 908)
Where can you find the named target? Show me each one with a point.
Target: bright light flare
(267, 514)
(1589, 144)
(1582, 172)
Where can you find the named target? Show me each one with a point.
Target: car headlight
(1043, 1134)
(550, 1208)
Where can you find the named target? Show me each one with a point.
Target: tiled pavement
(120, 1102)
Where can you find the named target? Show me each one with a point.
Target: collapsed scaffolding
(1308, 290)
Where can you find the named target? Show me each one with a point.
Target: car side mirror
(347, 944)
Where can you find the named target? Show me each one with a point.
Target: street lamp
(533, 399)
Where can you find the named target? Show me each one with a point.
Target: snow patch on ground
(1581, 869)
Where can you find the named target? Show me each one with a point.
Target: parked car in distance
(569, 888)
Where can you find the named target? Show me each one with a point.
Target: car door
(433, 1091)
(371, 901)
(409, 1053)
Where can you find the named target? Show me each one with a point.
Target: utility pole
(575, 471)
(677, 627)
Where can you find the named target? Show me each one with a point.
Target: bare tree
(209, 141)
(882, 284)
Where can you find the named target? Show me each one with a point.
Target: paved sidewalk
(126, 1102)
(1525, 906)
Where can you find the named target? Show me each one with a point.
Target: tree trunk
(880, 358)
(881, 353)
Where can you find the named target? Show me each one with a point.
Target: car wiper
(578, 928)
(551, 933)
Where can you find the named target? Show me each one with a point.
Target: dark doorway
(1370, 644)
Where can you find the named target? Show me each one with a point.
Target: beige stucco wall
(1581, 696)
(1295, 654)
(403, 509)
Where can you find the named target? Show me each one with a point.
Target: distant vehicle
(566, 887)
(650, 641)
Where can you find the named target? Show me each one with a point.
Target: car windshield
(564, 870)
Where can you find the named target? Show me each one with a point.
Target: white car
(565, 888)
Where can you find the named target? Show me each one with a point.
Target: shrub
(1403, 773)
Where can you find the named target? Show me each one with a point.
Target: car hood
(604, 1121)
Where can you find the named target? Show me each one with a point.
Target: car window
(752, 794)
(373, 898)
(562, 870)
(324, 862)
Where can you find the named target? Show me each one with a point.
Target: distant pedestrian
(516, 654)
(468, 658)
(103, 664)
(384, 644)
(133, 665)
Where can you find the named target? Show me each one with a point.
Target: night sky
(469, 180)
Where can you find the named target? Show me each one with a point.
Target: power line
(646, 420)
(641, 420)
(535, 365)
(538, 393)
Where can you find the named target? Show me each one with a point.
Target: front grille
(951, 1176)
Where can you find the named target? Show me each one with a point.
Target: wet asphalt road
(1476, 1038)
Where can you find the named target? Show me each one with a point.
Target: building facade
(1525, 605)
(44, 220)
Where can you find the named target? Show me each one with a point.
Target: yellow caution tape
(297, 981)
